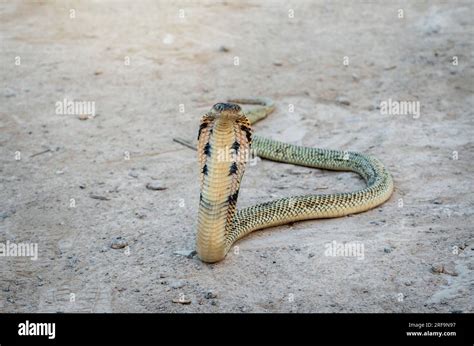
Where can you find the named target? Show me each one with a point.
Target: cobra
(224, 141)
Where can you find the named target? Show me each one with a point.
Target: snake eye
(229, 107)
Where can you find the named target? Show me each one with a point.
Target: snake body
(224, 142)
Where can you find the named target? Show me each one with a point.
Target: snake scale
(224, 142)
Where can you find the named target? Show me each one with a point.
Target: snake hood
(223, 140)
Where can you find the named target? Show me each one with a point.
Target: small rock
(155, 186)
(437, 268)
(118, 243)
(101, 198)
(84, 117)
(390, 68)
(140, 214)
(133, 174)
(224, 49)
(310, 255)
(387, 249)
(277, 63)
(343, 101)
(162, 276)
(210, 295)
(96, 73)
(177, 284)
(442, 269)
(450, 271)
(185, 253)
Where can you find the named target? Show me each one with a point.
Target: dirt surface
(73, 186)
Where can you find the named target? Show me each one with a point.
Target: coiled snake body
(224, 140)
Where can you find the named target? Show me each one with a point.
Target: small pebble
(118, 243)
(101, 198)
(140, 214)
(387, 249)
(182, 301)
(343, 101)
(177, 284)
(133, 174)
(155, 186)
(437, 268)
(185, 253)
(85, 117)
(210, 295)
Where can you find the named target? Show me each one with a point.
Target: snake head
(226, 109)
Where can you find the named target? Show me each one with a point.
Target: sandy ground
(418, 247)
